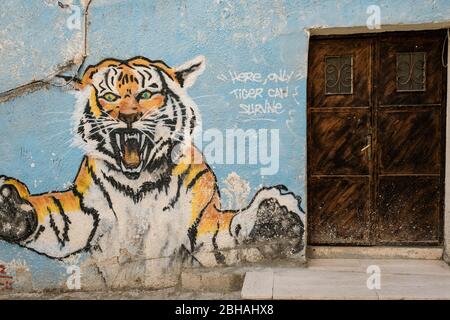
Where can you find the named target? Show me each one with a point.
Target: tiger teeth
(122, 138)
(128, 136)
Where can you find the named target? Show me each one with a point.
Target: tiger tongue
(131, 157)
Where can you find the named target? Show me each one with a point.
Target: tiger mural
(139, 206)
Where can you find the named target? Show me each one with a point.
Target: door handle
(368, 147)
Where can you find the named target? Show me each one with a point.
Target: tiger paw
(18, 220)
(274, 222)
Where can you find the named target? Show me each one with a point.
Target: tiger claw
(18, 219)
(6, 191)
(244, 222)
(281, 187)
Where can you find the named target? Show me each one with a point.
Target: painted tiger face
(132, 113)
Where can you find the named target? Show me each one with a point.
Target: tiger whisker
(96, 123)
(173, 133)
(159, 113)
(207, 96)
(66, 141)
(158, 117)
(56, 121)
(102, 118)
(104, 127)
(55, 135)
(110, 130)
(108, 115)
(167, 125)
(151, 140)
(69, 130)
(100, 124)
(91, 133)
(57, 112)
(97, 127)
(145, 114)
(67, 152)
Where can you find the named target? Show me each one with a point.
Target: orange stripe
(21, 188)
(211, 217)
(93, 104)
(202, 192)
(69, 201)
(84, 178)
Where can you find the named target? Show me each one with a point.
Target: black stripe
(143, 79)
(37, 235)
(106, 79)
(146, 187)
(155, 162)
(198, 176)
(172, 121)
(101, 86)
(149, 74)
(177, 195)
(111, 79)
(65, 235)
(182, 107)
(89, 211)
(102, 188)
(187, 256)
(192, 231)
(220, 258)
(55, 227)
(181, 74)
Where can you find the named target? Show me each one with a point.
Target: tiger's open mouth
(132, 149)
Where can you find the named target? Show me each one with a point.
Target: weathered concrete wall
(254, 78)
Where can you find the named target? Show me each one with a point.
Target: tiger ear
(188, 72)
(74, 83)
(69, 82)
(88, 75)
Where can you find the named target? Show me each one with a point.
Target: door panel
(376, 138)
(401, 59)
(410, 135)
(325, 68)
(341, 210)
(409, 141)
(408, 210)
(339, 122)
(337, 138)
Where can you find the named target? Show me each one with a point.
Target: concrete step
(339, 252)
(213, 280)
(347, 279)
(228, 279)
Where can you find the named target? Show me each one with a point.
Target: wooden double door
(376, 139)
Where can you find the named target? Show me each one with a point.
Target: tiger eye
(110, 97)
(145, 95)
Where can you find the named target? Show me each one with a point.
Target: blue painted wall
(262, 37)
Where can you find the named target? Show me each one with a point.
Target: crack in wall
(85, 39)
(47, 82)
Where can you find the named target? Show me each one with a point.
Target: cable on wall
(443, 49)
